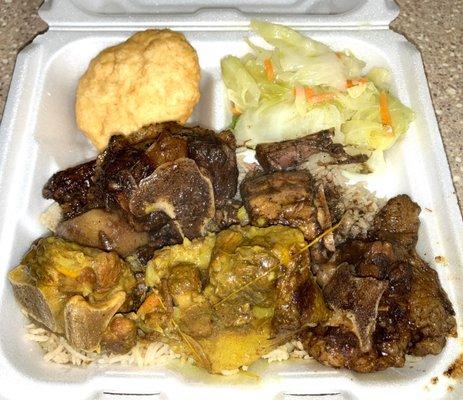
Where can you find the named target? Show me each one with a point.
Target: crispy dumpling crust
(151, 77)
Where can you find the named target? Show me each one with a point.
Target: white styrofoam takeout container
(38, 136)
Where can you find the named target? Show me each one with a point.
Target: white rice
(51, 217)
(292, 349)
(57, 350)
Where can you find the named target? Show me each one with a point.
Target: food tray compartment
(39, 136)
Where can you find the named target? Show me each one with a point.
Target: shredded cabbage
(274, 120)
(367, 135)
(283, 36)
(243, 90)
(297, 86)
(381, 77)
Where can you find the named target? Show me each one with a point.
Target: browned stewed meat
(286, 198)
(288, 154)
(398, 222)
(120, 335)
(74, 190)
(214, 153)
(413, 314)
(189, 171)
(180, 190)
(355, 299)
(431, 313)
(167, 235)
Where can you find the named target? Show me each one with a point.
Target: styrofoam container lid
(213, 13)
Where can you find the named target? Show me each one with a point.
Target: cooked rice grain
(51, 217)
(357, 204)
(58, 350)
(143, 354)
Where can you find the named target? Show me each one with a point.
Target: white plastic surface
(108, 14)
(38, 136)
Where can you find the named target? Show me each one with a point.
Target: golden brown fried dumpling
(151, 77)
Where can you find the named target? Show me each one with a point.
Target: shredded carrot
(235, 110)
(311, 96)
(320, 98)
(384, 109)
(299, 91)
(309, 93)
(149, 305)
(269, 69)
(355, 82)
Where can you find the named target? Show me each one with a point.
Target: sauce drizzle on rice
(143, 354)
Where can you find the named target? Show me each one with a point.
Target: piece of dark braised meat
(181, 191)
(74, 190)
(299, 301)
(288, 154)
(386, 302)
(285, 198)
(104, 230)
(431, 313)
(161, 183)
(282, 195)
(290, 198)
(226, 215)
(120, 335)
(367, 289)
(167, 235)
(214, 153)
(398, 222)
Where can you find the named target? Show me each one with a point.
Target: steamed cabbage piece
(277, 109)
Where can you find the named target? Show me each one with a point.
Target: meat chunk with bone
(288, 154)
(368, 290)
(213, 153)
(69, 288)
(181, 191)
(285, 198)
(358, 299)
(290, 198)
(193, 171)
(402, 307)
